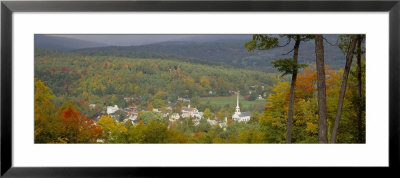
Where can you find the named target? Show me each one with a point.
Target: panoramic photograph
(199, 88)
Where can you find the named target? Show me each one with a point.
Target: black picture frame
(8, 7)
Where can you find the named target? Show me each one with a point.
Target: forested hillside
(227, 52)
(107, 80)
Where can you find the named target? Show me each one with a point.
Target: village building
(184, 99)
(92, 106)
(165, 114)
(156, 110)
(112, 109)
(132, 117)
(168, 108)
(198, 115)
(188, 111)
(212, 122)
(240, 116)
(174, 117)
(222, 124)
(131, 110)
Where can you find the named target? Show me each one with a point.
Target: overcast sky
(128, 40)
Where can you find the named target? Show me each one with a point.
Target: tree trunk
(292, 89)
(319, 53)
(343, 87)
(359, 84)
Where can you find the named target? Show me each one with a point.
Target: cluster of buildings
(186, 112)
(190, 112)
(131, 112)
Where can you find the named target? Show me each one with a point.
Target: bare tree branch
(336, 44)
(289, 52)
(288, 42)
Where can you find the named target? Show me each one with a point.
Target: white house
(188, 111)
(132, 117)
(198, 115)
(240, 116)
(184, 99)
(112, 109)
(92, 106)
(164, 114)
(174, 117)
(156, 109)
(212, 122)
(224, 124)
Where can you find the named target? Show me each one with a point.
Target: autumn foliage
(77, 128)
(60, 126)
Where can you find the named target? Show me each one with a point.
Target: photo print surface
(199, 89)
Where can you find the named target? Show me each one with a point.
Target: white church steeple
(237, 111)
(240, 116)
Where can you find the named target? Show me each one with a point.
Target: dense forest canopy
(96, 78)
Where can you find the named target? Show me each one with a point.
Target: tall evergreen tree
(287, 66)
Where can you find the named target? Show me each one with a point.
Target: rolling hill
(224, 51)
(203, 49)
(63, 44)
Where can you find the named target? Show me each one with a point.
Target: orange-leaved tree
(77, 128)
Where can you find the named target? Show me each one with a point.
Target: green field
(223, 100)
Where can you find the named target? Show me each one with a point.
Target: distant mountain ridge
(225, 49)
(63, 44)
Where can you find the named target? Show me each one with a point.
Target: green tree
(263, 42)
(148, 116)
(156, 132)
(253, 96)
(254, 117)
(120, 115)
(113, 132)
(203, 126)
(45, 122)
(207, 113)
